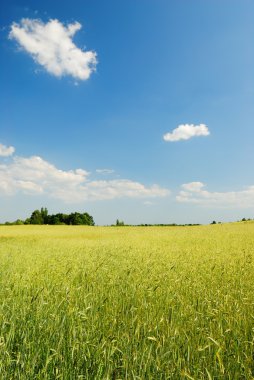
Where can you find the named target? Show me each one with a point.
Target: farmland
(127, 302)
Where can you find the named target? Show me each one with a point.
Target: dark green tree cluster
(42, 217)
(119, 222)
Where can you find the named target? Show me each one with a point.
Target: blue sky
(91, 89)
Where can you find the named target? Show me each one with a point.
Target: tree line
(42, 217)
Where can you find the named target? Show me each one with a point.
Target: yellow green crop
(127, 303)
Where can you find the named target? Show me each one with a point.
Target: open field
(127, 303)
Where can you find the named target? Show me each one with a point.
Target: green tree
(44, 215)
(77, 218)
(119, 222)
(36, 217)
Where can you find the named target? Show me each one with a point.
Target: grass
(127, 303)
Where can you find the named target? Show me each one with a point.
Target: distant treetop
(42, 217)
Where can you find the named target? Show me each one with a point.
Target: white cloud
(6, 151)
(29, 186)
(105, 171)
(119, 188)
(186, 132)
(148, 203)
(194, 192)
(193, 186)
(33, 175)
(51, 45)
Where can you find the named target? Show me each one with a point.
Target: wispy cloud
(148, 203)
(34, 175)
(6, 151)
(105, 171)
(186, 132)
(195, 192)
(51, 45)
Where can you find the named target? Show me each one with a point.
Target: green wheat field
(127, 302)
